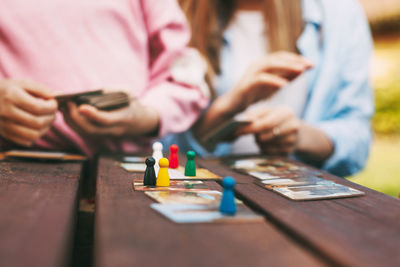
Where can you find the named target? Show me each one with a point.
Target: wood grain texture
(360, 231)
(38, 205)
(129, 233)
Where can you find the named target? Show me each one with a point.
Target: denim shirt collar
(312, 12)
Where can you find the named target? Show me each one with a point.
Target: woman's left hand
(135, 120)
(276, 130)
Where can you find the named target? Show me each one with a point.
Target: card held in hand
(98, 98)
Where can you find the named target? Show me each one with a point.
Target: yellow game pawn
(163, 175)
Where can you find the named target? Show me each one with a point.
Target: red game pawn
(173, 157)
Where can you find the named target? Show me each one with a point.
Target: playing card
(224, 131)
(263, 175)
(98, 98)
(201, 174)
(174, 186)
(42, 155)
(326, 190)
(263, 165)
(133, 159)
(134, 167)
(106, 101)
(187, 197)
(62, 99)
(189, 213)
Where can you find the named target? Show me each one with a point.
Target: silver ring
(276, 131)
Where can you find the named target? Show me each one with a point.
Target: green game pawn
(190, 168)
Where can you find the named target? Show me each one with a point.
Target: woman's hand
(265, 77)
(262, 80)
(276, 130)
(27, 111)
(279, 132)
(135, 120)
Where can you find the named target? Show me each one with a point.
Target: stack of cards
(98, 99)
(292, 181)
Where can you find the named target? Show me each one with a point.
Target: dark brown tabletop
(129, 233)
(359, 231)
(38, 206)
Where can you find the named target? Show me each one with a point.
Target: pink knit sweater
(76, 45)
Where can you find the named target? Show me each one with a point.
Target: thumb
(37, 89)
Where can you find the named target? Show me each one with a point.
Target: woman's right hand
(27, 111)
(265, 77)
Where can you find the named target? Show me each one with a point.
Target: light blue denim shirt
(340, 101)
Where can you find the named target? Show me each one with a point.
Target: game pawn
(190, 168)
(163, 175)
(228, 205)
(157, 151)
(150, 174)
(173, 157)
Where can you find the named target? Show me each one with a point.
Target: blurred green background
(382, 172)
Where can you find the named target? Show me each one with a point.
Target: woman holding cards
(297, 70)
(50, 48)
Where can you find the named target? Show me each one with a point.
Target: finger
(295, 58)
(27, 119)
(268, 122)
(78, 121)
(270, 80)
(36, 89)
(21, 134)
(276, 149)
(103, 118)
(258, 113)
(285, 62)
(81, 124)
(33, 104)
(287, 128)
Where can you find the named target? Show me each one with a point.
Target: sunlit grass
(383, 169)
(382, 172)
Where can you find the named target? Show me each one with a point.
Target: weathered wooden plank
(38, 206)
(129, 233)
(361, 231)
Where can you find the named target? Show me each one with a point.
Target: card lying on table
(206, 197)
(201, 174)
(269, 183)
(186, 197)
(42, 155)
(134, 167)
(133, 159)
(174, 186)
(326, 190)
(189, 213)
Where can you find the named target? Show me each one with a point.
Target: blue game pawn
(228, 205)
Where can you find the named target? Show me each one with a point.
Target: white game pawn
(157, 153)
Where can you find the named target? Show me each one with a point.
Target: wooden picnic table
(129, 233)
(38, 207)
(359, 231)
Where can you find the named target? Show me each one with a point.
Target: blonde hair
(209, 18)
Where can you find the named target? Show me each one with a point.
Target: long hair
(209, 18)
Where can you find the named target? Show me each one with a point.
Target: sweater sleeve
(349, 128)
(176, 74)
